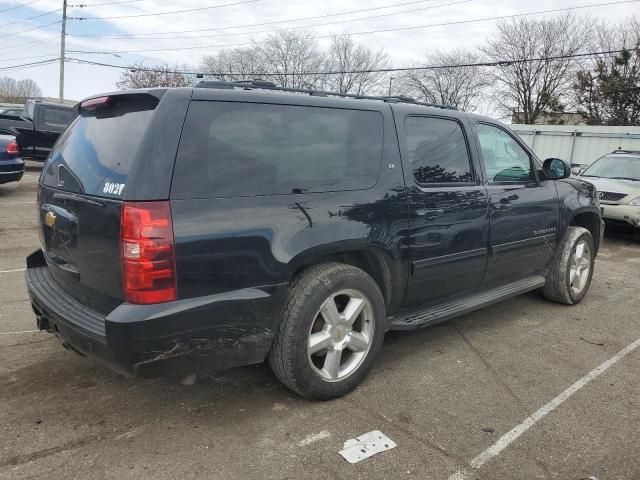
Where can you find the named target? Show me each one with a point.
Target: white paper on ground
(356, 449)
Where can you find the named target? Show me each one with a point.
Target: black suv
(223, 225)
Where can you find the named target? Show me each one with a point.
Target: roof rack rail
(265, 84)
(635, 152)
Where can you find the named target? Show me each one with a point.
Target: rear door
(80, 195)
(524, 208)
(448, 205)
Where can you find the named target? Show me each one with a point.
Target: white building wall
(578, 144)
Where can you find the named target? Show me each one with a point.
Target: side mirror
(576, 170)
(556, 169)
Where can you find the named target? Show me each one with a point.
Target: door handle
(506, 203)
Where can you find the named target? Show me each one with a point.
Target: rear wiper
(593, 176)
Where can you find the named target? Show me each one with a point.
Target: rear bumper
(201, 334)
(622, 213)
(11, 170)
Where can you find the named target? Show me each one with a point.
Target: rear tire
(332, 329)
(570, 275)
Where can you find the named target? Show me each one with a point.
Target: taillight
(147, 250)
(13, 148)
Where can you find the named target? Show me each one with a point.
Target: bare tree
(354, 60)
(18, 91)
(234, 64)
(607, 88)
(293, 57)
(139, 76)
(529, 89)
(453, 81)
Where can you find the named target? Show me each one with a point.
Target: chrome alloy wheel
(579, 267)
(341, 335)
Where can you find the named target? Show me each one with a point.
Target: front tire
(570, 275)
(332, 329)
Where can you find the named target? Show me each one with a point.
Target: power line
(26, 45)
(165, 13)
(385, 30)
(374, 70)
(105, 3)
(30, 18)
(19, 6)
(31, 64)
(31, 29)
(335, 22)
(252, 24)
(29, 57)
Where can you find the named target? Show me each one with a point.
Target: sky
(233, 22)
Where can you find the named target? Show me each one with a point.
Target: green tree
(609, 94)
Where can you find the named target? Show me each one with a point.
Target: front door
(524, 208)
(448, 208)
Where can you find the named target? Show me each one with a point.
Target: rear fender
(388, 271)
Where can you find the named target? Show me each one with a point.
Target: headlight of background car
(635, 202)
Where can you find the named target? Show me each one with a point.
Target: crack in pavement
(489, 367)
(26, 458)
(26, 343)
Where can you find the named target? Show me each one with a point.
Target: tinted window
(504, 159)
(95, 153)
(241, 149)
(55, 117)
(437, 150)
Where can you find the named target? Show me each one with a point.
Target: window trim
(532, 164)
(474, 175)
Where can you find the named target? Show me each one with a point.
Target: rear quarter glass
(95, 154)
(230, 149)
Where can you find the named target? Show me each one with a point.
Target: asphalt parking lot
(446, 395)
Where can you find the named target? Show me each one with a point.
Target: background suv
(224, 225)
(617, 178)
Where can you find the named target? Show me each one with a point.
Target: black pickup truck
(39, 128)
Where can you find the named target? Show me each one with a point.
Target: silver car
(617, 178)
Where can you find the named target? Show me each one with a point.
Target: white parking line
(2, 204)
(515, 432)
(13, 271)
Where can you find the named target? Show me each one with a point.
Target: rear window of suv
(232, 149)
(94, 155)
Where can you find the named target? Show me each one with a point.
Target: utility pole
(62, 42)
(390, 81)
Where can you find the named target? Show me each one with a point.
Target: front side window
(230, 149)
(504, 159)
(437, 151)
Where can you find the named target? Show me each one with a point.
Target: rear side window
(94, 155)
(437, 151)
(232, 149)
(56, 117)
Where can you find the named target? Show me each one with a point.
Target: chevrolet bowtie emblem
(50, 219)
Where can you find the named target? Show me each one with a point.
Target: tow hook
(43, 323)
